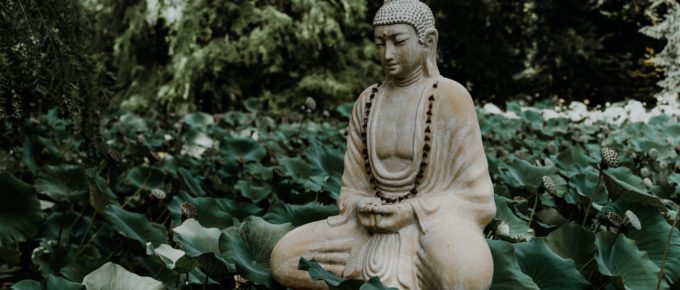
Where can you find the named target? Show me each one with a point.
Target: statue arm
(355, 183)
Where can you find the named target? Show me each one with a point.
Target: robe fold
(455, 192)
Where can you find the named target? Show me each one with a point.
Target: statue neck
(413, 77)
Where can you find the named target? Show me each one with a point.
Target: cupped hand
(384, 218)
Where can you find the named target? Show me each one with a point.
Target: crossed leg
(454, 258)
(330, 246)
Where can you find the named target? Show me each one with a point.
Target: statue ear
(431, 37)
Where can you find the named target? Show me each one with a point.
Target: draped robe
(443, 248)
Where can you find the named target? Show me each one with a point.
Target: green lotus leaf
(20, 215)
(210, 212)
(518, 228)
(145, 178)
(100, 193)
(252, 105)
(572, 241)
(643, 145)
(130, 122)
(242, 149)
(317, 273)
(548, 270)
(236, 118)
(190, 182)
(550, 217)
(297, 168)
(574, 159)
(345, 109)
(584, 184)
(175, 259)
(249, 247)
(253, 190)
(298, 215)
(26, 285)
(619, 257)
(196, 239)
(135, 226)
(203, 244)
(199, 120)
(52, 225)
(325, 158)
(82, 265)
(63, 183)
(521, 174)
(63, 261)
(652, 238)
(260, 171)
(624, 185)
(507, 274)
(10, 255)
(111, 276)
(54, 282)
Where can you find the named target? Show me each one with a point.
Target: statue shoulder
(367, 92)
(455, 95)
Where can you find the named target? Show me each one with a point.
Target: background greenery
(176, 139)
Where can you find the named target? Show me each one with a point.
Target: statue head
(406, 37)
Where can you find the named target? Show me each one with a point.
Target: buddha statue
(416, 192)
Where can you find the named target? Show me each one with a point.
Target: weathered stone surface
(416, 192)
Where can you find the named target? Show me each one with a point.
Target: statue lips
(391, 67)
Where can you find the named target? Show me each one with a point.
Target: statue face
(399, 51)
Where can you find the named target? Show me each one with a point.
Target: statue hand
(384, 218)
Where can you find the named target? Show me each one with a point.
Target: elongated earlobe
(431, 37)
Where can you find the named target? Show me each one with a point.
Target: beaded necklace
(426, 149)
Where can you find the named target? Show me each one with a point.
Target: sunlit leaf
(111, 276)
(249, 247)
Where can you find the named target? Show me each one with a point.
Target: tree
(665, 16)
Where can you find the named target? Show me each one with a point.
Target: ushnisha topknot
(412, 12)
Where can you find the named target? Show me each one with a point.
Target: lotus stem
(590, 199)
(665, 250)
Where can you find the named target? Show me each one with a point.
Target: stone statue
(416, 192)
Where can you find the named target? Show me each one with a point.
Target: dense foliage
(203, 198)
(47, 61)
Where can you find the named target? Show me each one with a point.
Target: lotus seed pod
(645, 172)
(615, 219)
(188, 211)
(653, 154)
(648, 182)
(115, 156)
(552, 148)
(310, 103)
(633, 220)
(549, 185)
(610, 159)
(159, 193)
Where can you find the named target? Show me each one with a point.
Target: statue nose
(389, 53)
